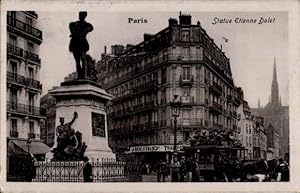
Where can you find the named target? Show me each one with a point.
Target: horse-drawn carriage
(217, 163)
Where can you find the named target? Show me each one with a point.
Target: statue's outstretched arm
(75, 116)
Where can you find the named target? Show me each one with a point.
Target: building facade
(277, 115)
(48, 110)
(23, 85)
(179, 60)
(246, 127)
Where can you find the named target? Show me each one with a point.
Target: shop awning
(20, 147)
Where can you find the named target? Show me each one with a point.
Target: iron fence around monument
(105, 170)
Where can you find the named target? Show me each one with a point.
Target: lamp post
(28, 146)
(175, 107)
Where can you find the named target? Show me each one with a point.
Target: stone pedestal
(88, 99)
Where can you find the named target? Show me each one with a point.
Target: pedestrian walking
(283, 173)
(182, 170)
(195, 170)
(87, 170)
(175, 169)
(30, 169)
(162, 171)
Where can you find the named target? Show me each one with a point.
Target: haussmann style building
(23, 88)
(179, 60)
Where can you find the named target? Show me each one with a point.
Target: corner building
(179, 60)
(23, 87)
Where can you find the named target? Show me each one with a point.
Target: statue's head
(61, 120)
(82, 15)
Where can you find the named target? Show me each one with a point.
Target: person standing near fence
(87, 171)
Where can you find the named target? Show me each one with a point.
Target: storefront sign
(154, 148)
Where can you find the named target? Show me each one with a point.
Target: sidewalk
(152, 177)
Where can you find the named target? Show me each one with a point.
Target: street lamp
(28, 146)
(175, 107)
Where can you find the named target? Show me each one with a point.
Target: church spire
(274, 90)
(274, 71)
(258, 104)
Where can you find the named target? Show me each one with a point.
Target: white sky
(251, 47)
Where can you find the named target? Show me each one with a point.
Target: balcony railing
(144, 87)
(149, 65)
(187, 100)
(186, 81)
(23, 109)
(27, 82)
(31, 135)
(14, 133)
(24, 27)
(216, 88)
(214, 106)
(14, 50)
(32, 56)
(17, 51)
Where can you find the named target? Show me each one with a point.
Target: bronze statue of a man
(79, 44)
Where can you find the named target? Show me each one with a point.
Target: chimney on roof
(173, 21)
(185, 19)
(117, 50)
(104, 49)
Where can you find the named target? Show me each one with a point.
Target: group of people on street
(181, 170)
(187, 170)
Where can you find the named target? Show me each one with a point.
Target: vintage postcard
(154, 96)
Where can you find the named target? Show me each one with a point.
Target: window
(186, 91)
(186, 136)
(30, 46)
(29, 24)
(31, 127)
(13, 66)
(14, 125)
(14, 97)
(31, 99)
(30, 73)
(12, 40)
(186, 73)
(163, 76)
(185, 36)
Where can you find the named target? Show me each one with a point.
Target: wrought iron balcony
(215, 107)
(13, 107)
(217, 89)
(32, 57)
(148, 86)
(186, 81)
(15, 78)
(21, 80)
(14, 50)
(31, 135)
(187, 100)
(25, 29)
(14, 133)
